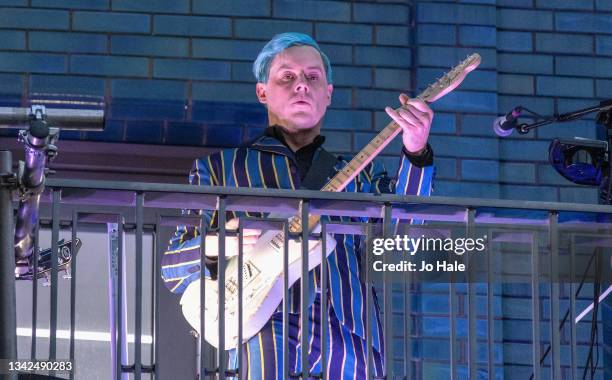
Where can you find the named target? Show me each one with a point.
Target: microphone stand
(603, 106)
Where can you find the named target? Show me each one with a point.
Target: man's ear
(260, 90)
(330, 89)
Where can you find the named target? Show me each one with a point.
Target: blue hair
(280, 42)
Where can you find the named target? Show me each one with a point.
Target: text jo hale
(423, 266)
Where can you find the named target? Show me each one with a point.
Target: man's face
(297, 93)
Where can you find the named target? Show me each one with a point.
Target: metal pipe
(304, 296)
(8, 322)
(553, 231)
(472, 333)
(56, 195)
(535, 307)
(387, 296)
(73, 249)
(324, 301)
(138, 296)
(221, 280)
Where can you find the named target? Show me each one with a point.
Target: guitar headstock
(64, 259)
(450, 80)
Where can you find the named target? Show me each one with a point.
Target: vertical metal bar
(156, 283)
(286, 305)
(56, 195)
(553, 231)
(408, 327)
(119, 298)
(472, 332)
(75, 226)
(138, 296)
(35, 289)
(221, 278)
(201, 339)
(387, 290)
(535, 307)
(572, 316)
(453, 329)
(304, 296)
(239, 298)
(8, 303)
(369, 303)
(324, 300)
(490, 310)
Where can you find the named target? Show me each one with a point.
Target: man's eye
(288, 76)
(313, 77)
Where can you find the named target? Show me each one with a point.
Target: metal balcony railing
(539, 246)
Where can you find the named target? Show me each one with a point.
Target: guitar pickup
(64, 259)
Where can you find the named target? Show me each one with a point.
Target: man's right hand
(250, 237)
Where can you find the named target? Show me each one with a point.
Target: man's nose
(302, 84)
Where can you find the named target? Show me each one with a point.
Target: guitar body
(263, 291)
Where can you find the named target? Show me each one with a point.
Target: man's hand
(415, 119)
(250, 237)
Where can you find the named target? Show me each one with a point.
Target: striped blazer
(267, 163)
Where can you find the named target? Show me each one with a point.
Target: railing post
(8, 323)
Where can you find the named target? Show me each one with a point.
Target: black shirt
(304, 155)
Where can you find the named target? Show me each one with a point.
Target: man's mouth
(301, 102)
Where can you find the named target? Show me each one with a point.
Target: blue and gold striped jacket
(267, 163)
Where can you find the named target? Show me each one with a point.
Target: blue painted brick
(111, 22)
(352, 76)
(378, 99)
(456, 14)
(114, 131)
(383, 56)
(344, 33)
(392, 78)
(143, 132)
(583, 22)
(342, 98)
(466, 189)
(191, 69)
(312, 10)
(441, 56)
(229, 113)
(338, 141)
(603, 45)
(524, 19)
(484, 80)
(177, 133)
(444, 123)
(150, 46)
(477, 36)
(517, 172)
(570, 87)
(568, 105)
(232, 7)
(529, 193)
(468, 147)
(32, 62)
(446, 168)
(11, 84)
(549, 176)
(148, 89)
(603, 5)
(468, 102)
(68, 42)
(437, 34)
(72, 4)
(224, 92)
(12, 40)
(226, 49)
(243, 72)
(567, 4)
(63, 84)
(147, 109)
(109, 65)
(604, 88)
(267, 28)
(515, 84)
(515, 3)
(192, 26)
(514, 41)
(13, 2)
(583, 66)
(541, 105)
(338, 54)
(564, 43)
(525, 150)
(525, 63)
(381, 13)
(392, 35)
(152, 6)
(477, 125)
(24, 18)
(578, 195)
(581, 128)
(480, 170)
(348, 119)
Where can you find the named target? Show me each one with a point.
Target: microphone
(503, 126)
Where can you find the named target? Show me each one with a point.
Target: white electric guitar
(263, 267)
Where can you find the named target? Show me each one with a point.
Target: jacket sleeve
(180, 263)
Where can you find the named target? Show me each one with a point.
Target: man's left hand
(415, 118)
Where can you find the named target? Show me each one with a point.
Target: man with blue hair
(294, 83)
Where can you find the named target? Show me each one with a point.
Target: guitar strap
(321, 170)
